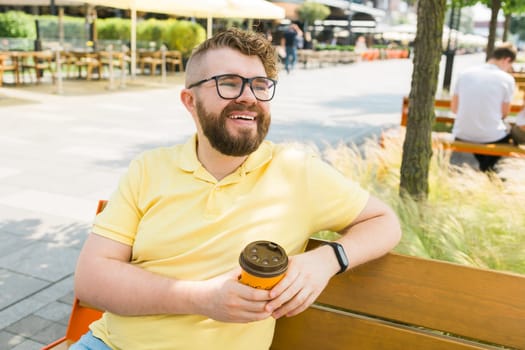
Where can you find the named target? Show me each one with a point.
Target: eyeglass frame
(241, 90)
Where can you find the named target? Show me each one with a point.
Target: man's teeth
(244, 117)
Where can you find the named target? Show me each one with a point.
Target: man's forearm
(371, 239)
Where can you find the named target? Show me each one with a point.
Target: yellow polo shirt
(184, 224)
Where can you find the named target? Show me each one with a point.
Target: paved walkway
(61, 153)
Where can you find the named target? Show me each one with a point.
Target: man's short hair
(506, 50)
(246, 42)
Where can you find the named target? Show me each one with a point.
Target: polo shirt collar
(189, 161)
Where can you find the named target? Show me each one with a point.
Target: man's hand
(307, 276)
(227, 300)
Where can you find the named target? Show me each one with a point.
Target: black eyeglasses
(231, 86)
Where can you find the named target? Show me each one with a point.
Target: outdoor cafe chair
(151, 60)
(174, 59)
(91, 61)
(8, 63)
(39, 61)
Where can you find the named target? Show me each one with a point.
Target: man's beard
(242, 144)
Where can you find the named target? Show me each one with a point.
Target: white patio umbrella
(259, 9)
(37, 2)
(193, 8)
(209, 9)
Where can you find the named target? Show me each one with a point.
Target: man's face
(239, 142)
(233, 127)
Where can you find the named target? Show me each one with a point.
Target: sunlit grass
(469, 218)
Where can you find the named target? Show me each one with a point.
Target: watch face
(342, 259)
(342, 254)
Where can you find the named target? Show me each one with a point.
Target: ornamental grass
(469, 218)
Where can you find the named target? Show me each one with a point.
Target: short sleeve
(121, 217)
(335, 199)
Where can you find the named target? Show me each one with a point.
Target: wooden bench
(520, 80)
(443, 115)
(395, 302)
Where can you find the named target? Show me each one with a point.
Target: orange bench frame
(81, 315)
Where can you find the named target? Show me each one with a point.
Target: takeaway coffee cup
(263, 264)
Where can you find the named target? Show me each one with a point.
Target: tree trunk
(495, 7)
(506, 27)
(417, 147)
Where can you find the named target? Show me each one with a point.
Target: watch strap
(340, 254)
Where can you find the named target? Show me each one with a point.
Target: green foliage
(17, 24)
(335, 47)
(513, 6)
(152, 30)
(183, 36)
(517, 26)
(74, 27)
(113, 29)
(469, 217)
(309, 12)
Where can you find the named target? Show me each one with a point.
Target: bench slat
(495, 149)
(316, 329)
(436, 295)
(444, 105)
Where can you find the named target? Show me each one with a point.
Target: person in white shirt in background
(481, 101)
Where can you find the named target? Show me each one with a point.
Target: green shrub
(152, 30)
(183, 36)
(17, 24)
(74, 27)
(113, 29)
(335, 47)
(469, 217)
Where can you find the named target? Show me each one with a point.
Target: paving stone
(29, 344)
(56, 291)
(50, 333)
(68, 298)
(32, 226)
(51, 203)
(54, 311)
(42, 260)
(9, 340)
(18, 311)
(29, 326)
(65, 320)
(16, 286)
(11, 242)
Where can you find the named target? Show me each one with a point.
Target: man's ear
(188, 100)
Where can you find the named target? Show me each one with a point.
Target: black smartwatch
(340, 255)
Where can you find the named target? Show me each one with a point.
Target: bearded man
(163, 256)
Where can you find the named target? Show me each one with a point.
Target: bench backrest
(442, 107)
(402, 302)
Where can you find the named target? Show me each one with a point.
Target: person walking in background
(290, 41)
(163, 256)
(481, 100)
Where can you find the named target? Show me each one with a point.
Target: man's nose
(247, 94)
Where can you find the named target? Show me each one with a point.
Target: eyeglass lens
(231, 87)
